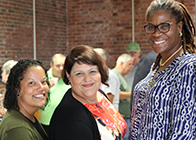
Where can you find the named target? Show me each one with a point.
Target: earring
(180, 34)
(18, 94)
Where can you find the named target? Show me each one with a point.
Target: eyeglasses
(162, 27)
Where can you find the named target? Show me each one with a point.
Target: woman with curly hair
(26, 91)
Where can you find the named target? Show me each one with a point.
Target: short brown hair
(84, 54)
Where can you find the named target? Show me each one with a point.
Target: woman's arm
(184, 113)
(124, 95)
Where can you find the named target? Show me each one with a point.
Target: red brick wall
(62, 24)
(108, 24)
(16, 29)
(51, 26)
(100, 23)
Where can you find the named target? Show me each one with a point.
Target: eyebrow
(88, 70)
(33, 79)
(158, 24)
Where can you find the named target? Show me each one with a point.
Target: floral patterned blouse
(111, 124)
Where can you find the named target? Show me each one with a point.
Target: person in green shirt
(26, 91)
(57, 89)
(56, 67)
(123, 66)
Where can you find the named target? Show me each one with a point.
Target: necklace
(150, 85)
(162, 64)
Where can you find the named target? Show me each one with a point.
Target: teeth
(159, 42)
(41, 95)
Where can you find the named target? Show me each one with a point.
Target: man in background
(56, 67)
(57, 89)
(123, 66)
(6, 69)
(133, 49)
(113, 90)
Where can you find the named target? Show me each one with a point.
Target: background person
(123, 66)
(57, 91)
(113, 89)
(7, 66)
(84, 112)
(133, 49)
(26, 92)
(164, 102)
(56, 67)
(54, 76)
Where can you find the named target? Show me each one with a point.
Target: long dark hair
(180, 13)
(13, 83)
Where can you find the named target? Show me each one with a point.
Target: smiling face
(164, 43)
(85, 80)
(33, 89)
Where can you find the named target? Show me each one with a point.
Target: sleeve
(113, 83)
(18, 134)
(184, 111)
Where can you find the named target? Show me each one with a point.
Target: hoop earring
(180, 34)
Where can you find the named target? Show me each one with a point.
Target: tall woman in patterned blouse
(164, 102)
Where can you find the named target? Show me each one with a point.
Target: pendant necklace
(162, 64)
(150, 85)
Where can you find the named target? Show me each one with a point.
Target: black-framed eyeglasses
(162, 27)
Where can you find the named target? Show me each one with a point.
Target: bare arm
(110, 97)
(124, 95)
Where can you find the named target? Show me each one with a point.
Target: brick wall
(108, 24)
(62, 24)
(51, 26)
(16, 29)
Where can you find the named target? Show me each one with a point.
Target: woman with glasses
(164, 102)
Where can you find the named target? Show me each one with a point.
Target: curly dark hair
(84, 54)
(180, 13)
(13, 83)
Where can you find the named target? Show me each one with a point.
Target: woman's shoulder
(188, 60)
(16, 125)
(189, 57)
(68, 101)
(69, 106)
(14, 119)
(71, 112)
